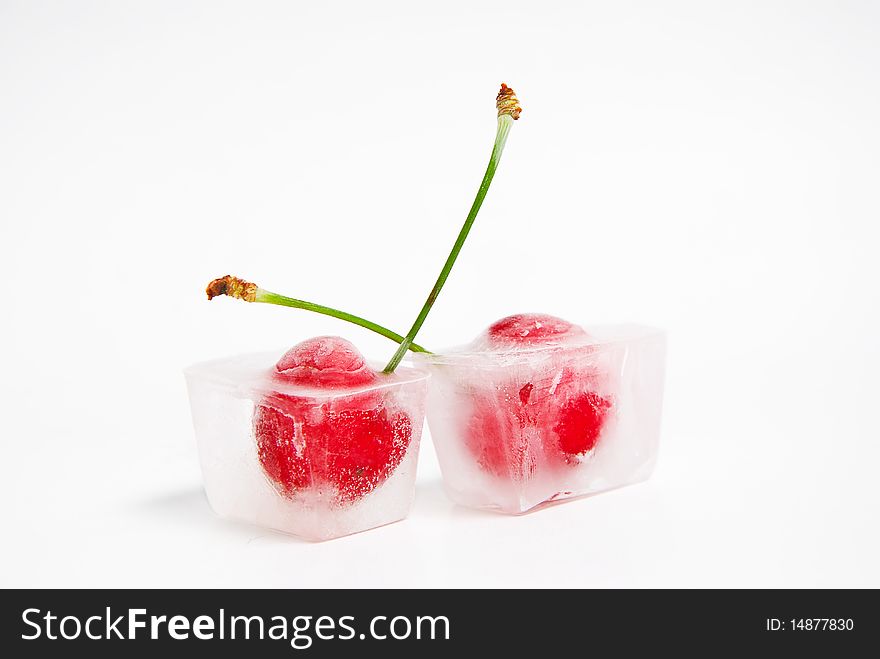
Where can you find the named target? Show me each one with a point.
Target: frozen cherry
(349, 444)
(549, 412)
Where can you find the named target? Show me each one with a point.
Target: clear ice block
(303, 460)
(520, 425)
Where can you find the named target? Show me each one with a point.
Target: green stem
(504, 123)
(268, 297)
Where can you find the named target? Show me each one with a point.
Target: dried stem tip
(233, 287)
(507, 102)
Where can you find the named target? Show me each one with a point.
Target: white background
(708, 168)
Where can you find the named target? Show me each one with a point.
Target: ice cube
(302, 456)
(537, 410)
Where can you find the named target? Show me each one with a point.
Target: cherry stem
(508, 111)
(281, 300)
(243, 290)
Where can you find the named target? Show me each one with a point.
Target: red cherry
(552, 414)
(350, 444)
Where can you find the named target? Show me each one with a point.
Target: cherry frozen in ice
(350, 444)
(550, 413)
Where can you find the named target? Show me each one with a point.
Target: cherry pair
(551, 413)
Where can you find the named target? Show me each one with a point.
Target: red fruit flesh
(349, 444)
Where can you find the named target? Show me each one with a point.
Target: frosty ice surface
(536, 411)
(303, 459)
